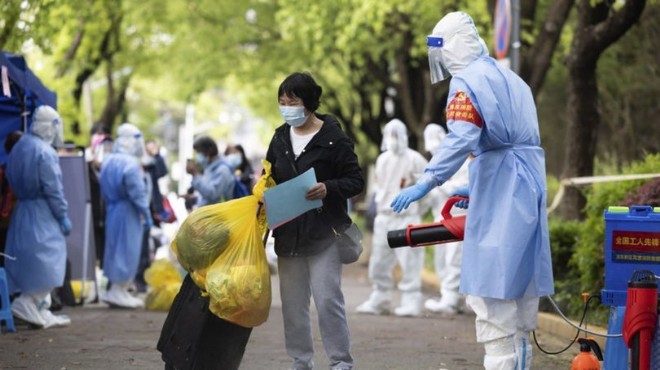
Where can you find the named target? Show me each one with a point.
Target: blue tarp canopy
(21, 92)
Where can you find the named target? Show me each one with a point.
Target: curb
(556, 326)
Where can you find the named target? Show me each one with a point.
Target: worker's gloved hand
(148, 222)
(410, 194)
(462, 192)
(65, 225)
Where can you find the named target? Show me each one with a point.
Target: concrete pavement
(104, 338)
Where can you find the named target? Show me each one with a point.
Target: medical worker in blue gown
(39, 222)
(127, 215)
(506, 254)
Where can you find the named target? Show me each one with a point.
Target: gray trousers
(318, 276)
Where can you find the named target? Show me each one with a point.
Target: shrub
(587, 259)
(563, 236)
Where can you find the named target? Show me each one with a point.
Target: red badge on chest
(461, 109)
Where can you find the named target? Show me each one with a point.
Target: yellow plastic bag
(165, 281)
(206, 231)
(161, 299)
(202, 237)
(230, 263)
(238, 282)
(162, 272)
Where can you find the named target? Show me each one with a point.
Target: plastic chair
(5, 306)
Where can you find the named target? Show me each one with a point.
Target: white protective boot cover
(118, 296)
(25, 308)
(50, 319)
(500, 354)
(377, 304)
(523, 350)
(411, 304)
(447, 304)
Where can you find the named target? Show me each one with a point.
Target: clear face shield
(436, 60)
(58, 139)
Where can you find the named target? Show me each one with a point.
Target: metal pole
(186, 136)
(515, 36)
(86, 235)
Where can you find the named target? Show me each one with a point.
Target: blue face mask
(233, 160)
(202, 160)
(293, 115)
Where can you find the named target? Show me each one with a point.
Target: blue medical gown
(215, 184)
(506, 251)
(34, 236)
(125, 194)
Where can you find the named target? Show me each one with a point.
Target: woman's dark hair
(239, 149)
(206, 145)
(303, 86)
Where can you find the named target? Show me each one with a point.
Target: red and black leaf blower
(451, 229)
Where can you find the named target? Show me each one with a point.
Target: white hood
(129, 140)
(460, 45)
(395, 136)
(434, 134)
(47, 125)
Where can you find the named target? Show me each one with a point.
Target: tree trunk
(598, 27)
(581, 133)
(537, 59)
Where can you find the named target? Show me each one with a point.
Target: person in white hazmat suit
(39, 222)
(127, 215)
(506, 253)
(447, 256)
(397, 167)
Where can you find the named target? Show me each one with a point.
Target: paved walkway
(103, 338)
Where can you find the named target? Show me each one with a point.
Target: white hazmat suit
(396, 168)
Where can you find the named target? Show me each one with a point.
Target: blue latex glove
(148, 222)
(65, 225)
(462, 192)
(409, 195)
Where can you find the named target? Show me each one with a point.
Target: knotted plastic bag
(202, 237)
(237, 277)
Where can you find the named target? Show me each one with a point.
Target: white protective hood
(129, 140)
(395, 137)
(47, 125)
(434, 134)
(456, 43)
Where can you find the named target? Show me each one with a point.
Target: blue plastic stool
(5, 306)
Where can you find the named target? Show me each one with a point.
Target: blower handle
(446, 210)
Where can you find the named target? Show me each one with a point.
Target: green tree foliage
(599, 25)
(370, 57)
(629, 84)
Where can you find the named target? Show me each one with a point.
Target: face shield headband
(436, 61)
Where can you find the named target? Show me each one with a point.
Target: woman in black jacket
(308, 259)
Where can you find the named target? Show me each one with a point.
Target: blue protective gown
(125, 194)
(35, 237)
(215, 184)
(506, 251)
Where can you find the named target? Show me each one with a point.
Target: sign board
(502, 28)
(80, 245)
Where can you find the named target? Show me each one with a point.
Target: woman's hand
(318, 191)
(191, 167)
